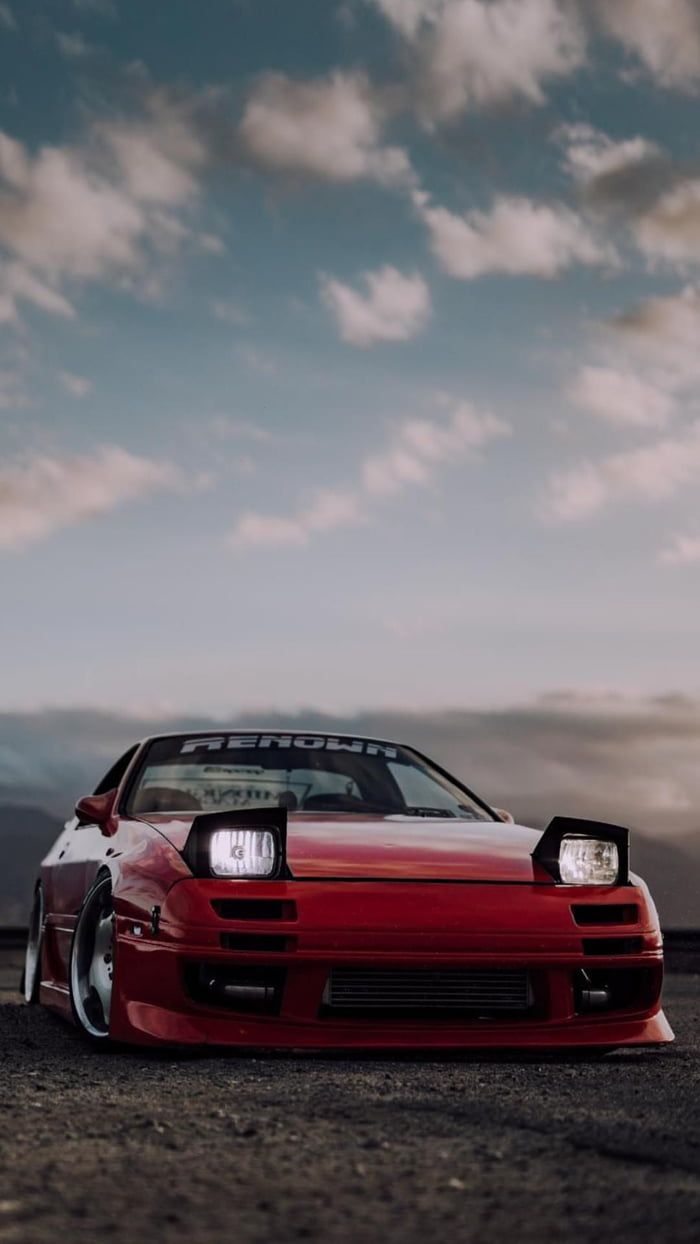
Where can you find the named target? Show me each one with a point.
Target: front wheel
(92, 962)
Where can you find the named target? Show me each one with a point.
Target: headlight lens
(588, 861)
(243, 853)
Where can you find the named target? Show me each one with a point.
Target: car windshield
(313, 773)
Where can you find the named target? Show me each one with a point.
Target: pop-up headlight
(588, 861)
(239, 845)
(579, 852)
(243, 853)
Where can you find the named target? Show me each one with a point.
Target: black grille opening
(254, 941)
(235, 988)
(605, 913)
(428, 992)
(254, 909)
(612, 945)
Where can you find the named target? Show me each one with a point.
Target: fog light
(236, 987)
(593, 992)
(595, 999)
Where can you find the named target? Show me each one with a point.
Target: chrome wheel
(92, 961)
(32, 956)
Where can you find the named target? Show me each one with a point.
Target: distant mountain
(25, 836)
(671, 867)
(672, 872)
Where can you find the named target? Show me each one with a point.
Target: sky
(348, 353)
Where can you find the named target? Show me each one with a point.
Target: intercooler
(427, 992)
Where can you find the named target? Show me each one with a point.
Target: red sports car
(327, 891)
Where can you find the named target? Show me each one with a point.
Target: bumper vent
(613, 945)
(605, 913)
(427, 992)
(254, 909)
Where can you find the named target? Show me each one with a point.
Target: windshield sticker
(304, 742)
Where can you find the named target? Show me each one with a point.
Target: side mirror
(505, 816)
(96, 809)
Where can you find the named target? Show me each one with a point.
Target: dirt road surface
(125, 1146)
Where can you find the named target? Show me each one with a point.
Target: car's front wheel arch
(91, 969)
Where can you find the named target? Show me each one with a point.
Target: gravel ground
(127, 1146)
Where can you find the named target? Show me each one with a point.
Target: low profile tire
(31, 976)
(92, 963)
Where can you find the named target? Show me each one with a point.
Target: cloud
(418, 447)
(160, 155)
(615, 174)
(7, 18)
(396, 307)
(407, 16)
(517, 237)
(663, 34)
(18, 284)
(622, 397)
(592, 155)
(329, 510)
(650, 474)
(73, 46)
(647, 374)
(657, 197)
(670, 231)
(41, 495)
(229, 311)
(648, 367)
(328, 128)
(210, 243)
(684, 550)
(665, 331)
(58, 216)
(476, 53)
(77, 386)
(114, 208)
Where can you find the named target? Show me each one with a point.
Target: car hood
(393, 847)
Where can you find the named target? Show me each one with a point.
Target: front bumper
(295, 933)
